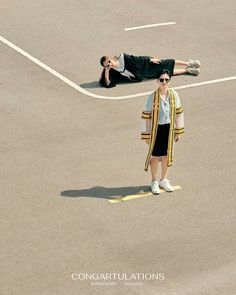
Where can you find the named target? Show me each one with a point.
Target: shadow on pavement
(96, 84)
(105, 192)
(91, 85)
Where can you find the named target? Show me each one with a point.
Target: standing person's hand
(155, 60)
(177, 137)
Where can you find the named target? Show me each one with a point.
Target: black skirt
(152, 69)
(161, 143)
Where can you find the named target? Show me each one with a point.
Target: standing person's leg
(154, 167)
(164, 168)
(164, 182)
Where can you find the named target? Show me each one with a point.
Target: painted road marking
(139, 195)
(82, 90)
(149, 26)
(44, 66)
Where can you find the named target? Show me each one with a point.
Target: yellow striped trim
(171, 131)
(179, 131)
(179, 110)
(145, 136)
(146, 115)
(154, 121)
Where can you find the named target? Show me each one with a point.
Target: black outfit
(161, 143)
(141, 67)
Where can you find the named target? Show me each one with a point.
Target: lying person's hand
(155, 60)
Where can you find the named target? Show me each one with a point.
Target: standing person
(130, 68)
(163, 124)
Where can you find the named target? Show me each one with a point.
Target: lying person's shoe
(193, 63)
(193, 71)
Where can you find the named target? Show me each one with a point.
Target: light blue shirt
(121, 67)
(164, 112)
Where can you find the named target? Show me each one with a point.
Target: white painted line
(205, 83)
(82, 90)
(149, 26)
(42, 65)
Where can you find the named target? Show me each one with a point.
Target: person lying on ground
(130, 68)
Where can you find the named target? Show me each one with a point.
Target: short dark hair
(102, 59)
(164, 71)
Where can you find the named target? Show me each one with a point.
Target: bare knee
(154, 160)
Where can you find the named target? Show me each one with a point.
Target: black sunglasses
(108, 64)
(163, 79)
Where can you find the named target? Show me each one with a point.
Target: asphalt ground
(64, 154)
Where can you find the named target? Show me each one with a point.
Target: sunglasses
(163, 79)
(108, 64)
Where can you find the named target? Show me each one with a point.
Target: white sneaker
(165, 184)
(155, 187)
(193, 71)
(193, 63)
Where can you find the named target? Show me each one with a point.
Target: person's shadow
(96, 84)
(105, 192)
(90, 85)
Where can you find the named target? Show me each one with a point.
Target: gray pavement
(64, 154)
